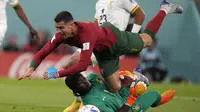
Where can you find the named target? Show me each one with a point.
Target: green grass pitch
(54, 96)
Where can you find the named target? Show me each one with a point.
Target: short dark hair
(63, 16)
(71, 80)
(78, 84)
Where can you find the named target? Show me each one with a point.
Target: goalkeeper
(76, 104)
(93, 91)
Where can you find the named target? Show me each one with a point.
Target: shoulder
(87, 29)
(97, 5)
(84, 23)
(102, 3)
(144, 50)
(92, 76)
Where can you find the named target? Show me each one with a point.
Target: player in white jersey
(19, 11)
(119, 13)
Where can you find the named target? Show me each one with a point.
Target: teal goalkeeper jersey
(101, 97)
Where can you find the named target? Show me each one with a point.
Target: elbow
(17, 7)
(147, 39)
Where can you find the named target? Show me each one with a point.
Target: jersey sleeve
(130, 5)
(88, 42)
(92, 59)
(13, 3)
(46, 50)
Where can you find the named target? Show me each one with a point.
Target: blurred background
(175, 56)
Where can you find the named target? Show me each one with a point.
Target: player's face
(78, 84)
(82, 85)
(66, 29)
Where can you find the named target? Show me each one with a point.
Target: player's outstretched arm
(130, 100)
(80, 66)
(76, 57)
(73, 60)
(21, 14)
(124, 108)
(50, 46)
(27, 73)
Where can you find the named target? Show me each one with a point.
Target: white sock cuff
(136, 28)
(166, 11)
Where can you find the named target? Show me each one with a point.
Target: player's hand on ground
(45, 76)
(33, 33)
(27, 73)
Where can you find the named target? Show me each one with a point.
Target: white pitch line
(187, 98)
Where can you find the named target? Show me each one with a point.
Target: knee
(146, 39)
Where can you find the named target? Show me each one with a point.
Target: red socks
(154, 25)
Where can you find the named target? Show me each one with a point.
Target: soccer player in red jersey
(107, 43)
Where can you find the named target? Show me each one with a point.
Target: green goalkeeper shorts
(145, 101)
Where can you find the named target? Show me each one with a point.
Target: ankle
(165, 10)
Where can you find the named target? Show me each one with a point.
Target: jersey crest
(86, 46)
(99, 80)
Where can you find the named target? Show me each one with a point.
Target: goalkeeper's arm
(129, 102)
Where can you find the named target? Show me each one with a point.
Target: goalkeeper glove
(131, 99)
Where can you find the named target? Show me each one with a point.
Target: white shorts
(3, 29)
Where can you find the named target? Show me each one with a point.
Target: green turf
(54, 96)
